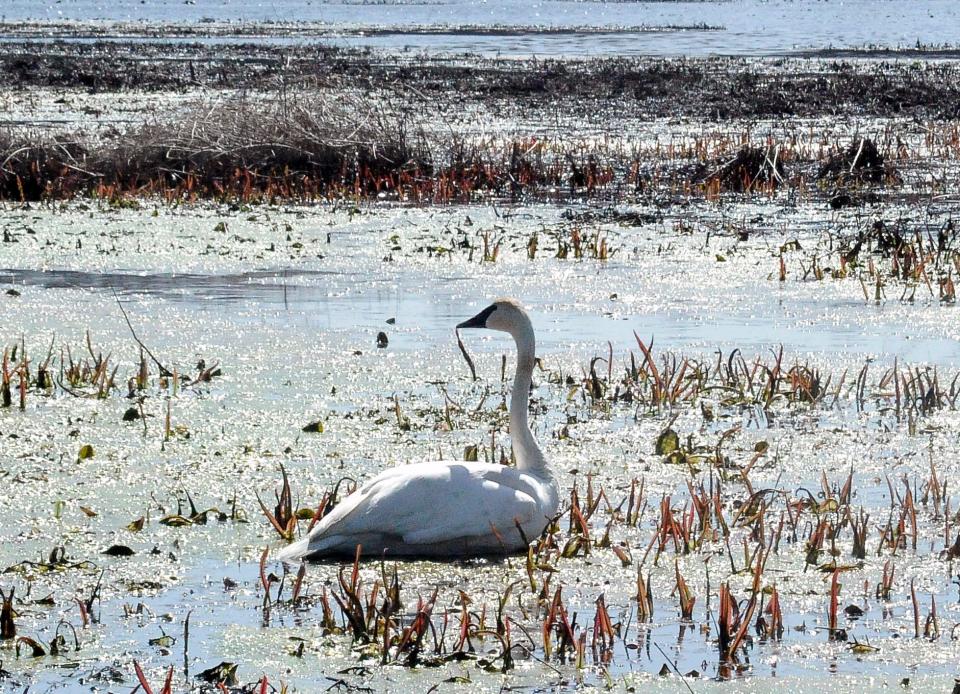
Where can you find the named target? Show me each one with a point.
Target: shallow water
(289, 300)
(749, 27)
(294, 329)
(653, 295)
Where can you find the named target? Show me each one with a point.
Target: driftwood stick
(164, 371)
(463, 351)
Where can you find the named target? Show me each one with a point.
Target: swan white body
(450, 509)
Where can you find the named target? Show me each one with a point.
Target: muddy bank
(710, 89)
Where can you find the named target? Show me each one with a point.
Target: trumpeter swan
(450, 509)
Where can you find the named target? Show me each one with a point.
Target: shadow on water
(270, 285)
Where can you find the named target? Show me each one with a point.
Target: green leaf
(828, 506)
(667, 442)
(86, 451)
(863, 648)
(164, 641)
(175, 521)
(314, 427)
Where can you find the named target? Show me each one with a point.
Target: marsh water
(195, 351)
(510, 27)
(291, 317)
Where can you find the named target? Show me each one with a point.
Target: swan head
(505, 315)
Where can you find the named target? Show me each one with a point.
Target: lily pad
(667, 442)
(175, 521)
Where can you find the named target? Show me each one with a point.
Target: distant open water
(750, 27)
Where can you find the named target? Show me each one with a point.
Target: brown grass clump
(751, 169)
(859, 163)
(33, 166)
(289, 146)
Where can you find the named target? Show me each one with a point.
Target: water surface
(748, 27)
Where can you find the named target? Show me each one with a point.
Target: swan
(450, 509)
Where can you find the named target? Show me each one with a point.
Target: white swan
(450, 509)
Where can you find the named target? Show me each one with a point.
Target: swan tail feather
(313, 547)
(294, 552)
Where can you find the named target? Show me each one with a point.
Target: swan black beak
(479, 320)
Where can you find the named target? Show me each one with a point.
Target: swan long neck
(525, 447)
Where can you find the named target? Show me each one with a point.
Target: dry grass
(308, 145)
(238, 147)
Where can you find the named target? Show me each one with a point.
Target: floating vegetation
(91, 377)
(751, 169)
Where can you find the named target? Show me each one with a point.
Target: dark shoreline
(709, 89)
(82, 31)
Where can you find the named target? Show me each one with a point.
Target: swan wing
(485, 503)
(435, 502)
